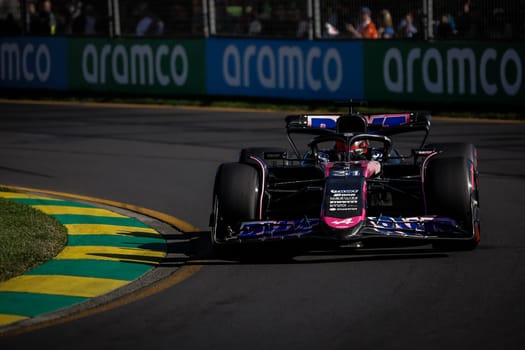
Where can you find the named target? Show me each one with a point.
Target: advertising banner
(33, 63)
(292, 69)
(375, 70)
(487, 72)
(163, 67)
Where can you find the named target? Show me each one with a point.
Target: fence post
(317, 18)
(116, 18)
(205, 24)
(211, 22)
(428, 13)
(110, 18)
(309, 15)
(113, 18)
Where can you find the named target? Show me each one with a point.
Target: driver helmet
(357, 149)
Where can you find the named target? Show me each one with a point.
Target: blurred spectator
(224, 23)
(406, 28)
(452, 23)
(196, 19)
(332, 23)
(148, 24)
(9, 6)
(265, 10)
(74, 17)
(47, 23)
(9, 26)
(330, 30)
(468, 22)
(475, 19)
(464, 21)
(303, 26)
(32, 18)
(235, 17)
(499, 27)
(366, 29)
(89, 20)
(444, 29)
(386, 28)
(255, 26)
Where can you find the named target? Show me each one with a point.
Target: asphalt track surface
(165, 159)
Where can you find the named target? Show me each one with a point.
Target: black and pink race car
(350, 185)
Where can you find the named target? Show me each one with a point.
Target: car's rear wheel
(235, 199)
(450, 150)
(451, 191)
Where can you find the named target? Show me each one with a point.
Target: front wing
(422, 227)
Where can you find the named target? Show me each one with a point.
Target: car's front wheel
(451, 191)
(235, 199)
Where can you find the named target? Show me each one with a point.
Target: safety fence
(398, 70)
(304, 19)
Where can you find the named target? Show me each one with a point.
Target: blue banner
(328, 70)
(27, 62)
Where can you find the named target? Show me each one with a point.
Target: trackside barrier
(283, 68)
(484, 73)
(33, 63)
(388, 70)
(163, 67)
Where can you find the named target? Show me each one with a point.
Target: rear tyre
(450, 150)
(235, 199)
(449, 193)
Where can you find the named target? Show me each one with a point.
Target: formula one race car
(351, 186)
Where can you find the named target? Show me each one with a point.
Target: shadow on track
(199, 251)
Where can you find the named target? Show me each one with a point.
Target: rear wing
(380, 124)
(375, 124)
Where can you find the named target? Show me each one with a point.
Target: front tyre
(235, 199)
(451, 187)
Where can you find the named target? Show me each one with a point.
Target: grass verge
(28, 238)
